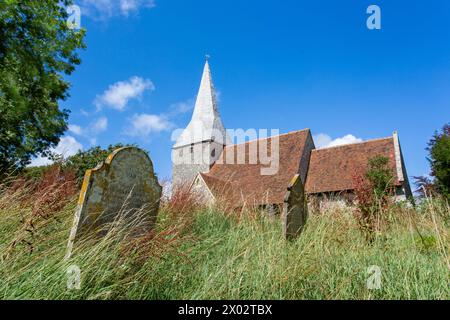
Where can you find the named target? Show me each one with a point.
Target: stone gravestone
(123, 187)
(295, 211)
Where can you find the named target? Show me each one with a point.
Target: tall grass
(211, 253)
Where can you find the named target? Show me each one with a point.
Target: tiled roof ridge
(351, 144)
(271, 137)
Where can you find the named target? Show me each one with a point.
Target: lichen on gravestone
(123, 190)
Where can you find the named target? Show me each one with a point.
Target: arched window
(213, 153)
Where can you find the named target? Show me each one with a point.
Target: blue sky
(286, 65)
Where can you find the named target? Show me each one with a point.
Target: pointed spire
(206, 98)
(205, 122)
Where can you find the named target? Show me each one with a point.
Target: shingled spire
(203, 140)
(205, 123)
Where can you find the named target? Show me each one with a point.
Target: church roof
(330, 169)
(333, 169)
(205, 124)
(244, 183)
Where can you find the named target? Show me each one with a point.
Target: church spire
(205, 122)
(206, 103)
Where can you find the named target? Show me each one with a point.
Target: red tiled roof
(244, 183)
(333, 169)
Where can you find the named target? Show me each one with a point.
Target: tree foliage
(373, 187)
(380, 176)
(37, 49)
(439, 158)
(425, 186)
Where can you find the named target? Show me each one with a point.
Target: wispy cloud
(75, 129)
(323, 140)
(67, 146)
(100, 125)
(182, 107)
(91, 131)
(120, 93)
(105, 9)
(145, 124)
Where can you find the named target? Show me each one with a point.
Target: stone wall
(188, 161)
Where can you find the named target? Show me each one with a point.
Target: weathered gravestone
(295, 211)
(122, 188)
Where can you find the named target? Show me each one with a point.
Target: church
(205, 159)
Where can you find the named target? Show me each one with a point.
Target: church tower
(203, 140)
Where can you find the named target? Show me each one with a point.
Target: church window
(213, 153)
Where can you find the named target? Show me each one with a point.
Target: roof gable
(332, 169)
(243, 182)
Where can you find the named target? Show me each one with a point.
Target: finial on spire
(207, 56)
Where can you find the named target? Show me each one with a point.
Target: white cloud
(120, 93)
(323, 140)
(100, 125)
(181, 107)
(144, 124)
(40, 161)
(348, 139)
(96, 127)
(105, 9)
(67, 146)
(75, 129)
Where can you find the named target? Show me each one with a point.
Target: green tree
(439, 158)
(37, 49)
(425, 186)
(380, 176)
(373, 189)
